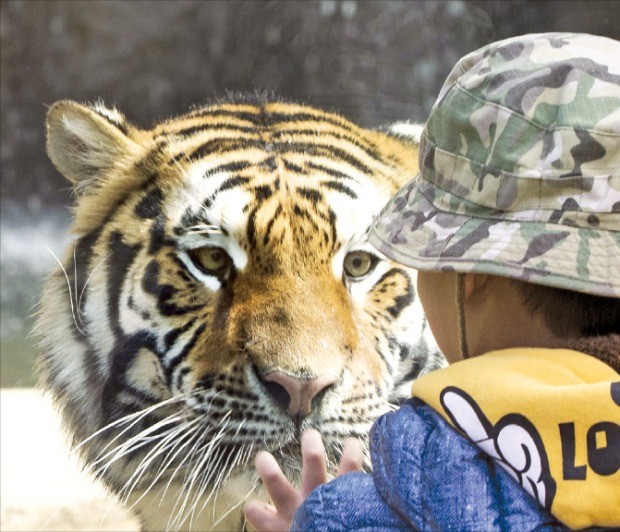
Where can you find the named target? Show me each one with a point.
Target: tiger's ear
(406, 131)
(87, 144)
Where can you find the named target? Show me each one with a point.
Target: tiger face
(220, 298)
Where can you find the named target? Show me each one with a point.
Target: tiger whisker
(126, 419)
(208, 408)
(191, 432)
(204, 229)
(242, 458)
(136, 442)
(75, 288)
(206, 479)
(79, 301)
(201, 481)
(188, 457)
(182, 498)
(225, 470)
(101, 452)
(163, 446)
(206, 450)
(154, 452)
(146, 435)
(189, 429)
(69, 289)
(118, 453)
(235, 507)
(203, 465)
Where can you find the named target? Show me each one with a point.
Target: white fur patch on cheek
(65, 355)
(96, 312)
(68, 360)
(138, 310)
(131, 319)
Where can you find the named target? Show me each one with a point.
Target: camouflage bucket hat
(519, 168)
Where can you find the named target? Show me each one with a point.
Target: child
(514, 225)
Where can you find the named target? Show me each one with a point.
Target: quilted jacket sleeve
(426, 476)
(350, 502)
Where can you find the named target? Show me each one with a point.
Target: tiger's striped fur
(218, 257)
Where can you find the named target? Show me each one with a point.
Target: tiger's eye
(359, 263)
(210, 260)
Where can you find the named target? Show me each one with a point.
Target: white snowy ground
(42, 486)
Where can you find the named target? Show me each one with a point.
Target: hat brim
(413, 231)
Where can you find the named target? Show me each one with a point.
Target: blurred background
(373, 61)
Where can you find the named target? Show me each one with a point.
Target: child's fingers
(263, 516)
(352, 458)
(285, 498)
(314, 468)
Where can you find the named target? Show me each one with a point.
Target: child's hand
(285, 497)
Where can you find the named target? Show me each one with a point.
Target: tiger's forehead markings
(233, 166)
(307, 148)
(263, 224)
(368, 147)
(270, 128)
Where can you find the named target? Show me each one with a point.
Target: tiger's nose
(295, 394)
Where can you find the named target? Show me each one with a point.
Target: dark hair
(570, 314)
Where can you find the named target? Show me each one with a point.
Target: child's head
(516, 211)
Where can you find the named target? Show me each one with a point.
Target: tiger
(219, 297)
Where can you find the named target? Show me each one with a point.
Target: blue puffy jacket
(426, 476)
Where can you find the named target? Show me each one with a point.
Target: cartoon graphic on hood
(513, 442)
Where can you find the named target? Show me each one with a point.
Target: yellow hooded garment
(550, 417)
